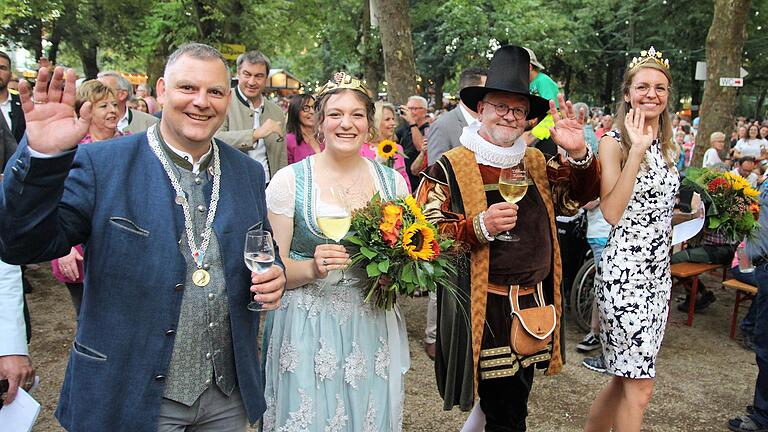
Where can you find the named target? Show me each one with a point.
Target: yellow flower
(414, 207)
(417, 241)
(392, 213)
(751, 192)
(387, 149)
(738, 182)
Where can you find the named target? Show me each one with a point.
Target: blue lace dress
(634, 288)
(332, 362)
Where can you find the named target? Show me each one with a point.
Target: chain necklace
(200, 277)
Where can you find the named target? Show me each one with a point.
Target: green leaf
(384, 266)
(407, 273)
(373, 269)
(714, 222)
(427, 266)
(355, 240)
(421, 277)
(367, 252)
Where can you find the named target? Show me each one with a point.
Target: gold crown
(646, 56)
(342, 80)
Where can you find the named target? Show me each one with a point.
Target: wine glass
(334, 216)
(259, 255)
(513, 184)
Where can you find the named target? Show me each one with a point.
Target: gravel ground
(703, 376)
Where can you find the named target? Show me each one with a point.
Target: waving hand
(52, 126)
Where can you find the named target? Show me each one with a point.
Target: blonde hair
(669, 148)
(92, 91)
(716, 136)
(380, 106)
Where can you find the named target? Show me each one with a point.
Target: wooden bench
(685, 270)
(744, 292)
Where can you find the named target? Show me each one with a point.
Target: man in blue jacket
(165, 340)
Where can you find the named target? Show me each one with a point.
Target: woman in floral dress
(638, 188)
(333, 363)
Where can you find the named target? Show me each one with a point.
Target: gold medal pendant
(201, 277)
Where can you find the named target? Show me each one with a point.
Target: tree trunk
(87, 55)
(156, 62)
(232, 30)
(438, 87)
(56, 35)
(399, 65)
(760, 101)
(725, 43)
(370, 47)
(608, 86)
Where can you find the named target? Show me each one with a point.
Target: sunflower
(737, 181)
(414, 207)
(751, 192)
(417, 241)
(387, 149)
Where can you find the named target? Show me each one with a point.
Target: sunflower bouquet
(733, 203)
(401, 251)
(386, 152)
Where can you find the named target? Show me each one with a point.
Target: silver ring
(325, 262)
(37, 102)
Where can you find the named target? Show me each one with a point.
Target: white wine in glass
(335, 226)
(513, 185)
(334, 216)
(259, 255)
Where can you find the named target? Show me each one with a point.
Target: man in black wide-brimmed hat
(461, 195)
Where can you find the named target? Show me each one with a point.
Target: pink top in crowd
(367, 152)
(296, 151)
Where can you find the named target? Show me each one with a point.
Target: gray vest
(202, 351)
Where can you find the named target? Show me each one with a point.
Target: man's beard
(3, 86)
(503, 138)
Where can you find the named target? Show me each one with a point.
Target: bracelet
(582, 163)
(486, 234)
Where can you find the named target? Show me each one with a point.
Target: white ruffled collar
(487, 153)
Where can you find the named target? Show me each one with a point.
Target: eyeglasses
(308, 108)
(503, 109)
(644, 88)
(415, 108)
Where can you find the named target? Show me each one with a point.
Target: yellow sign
(231, 51)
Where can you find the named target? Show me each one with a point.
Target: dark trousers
(760, 304)
(505, 401)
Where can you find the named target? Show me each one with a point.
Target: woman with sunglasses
(300, 139)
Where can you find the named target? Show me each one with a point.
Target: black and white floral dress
(633, 295)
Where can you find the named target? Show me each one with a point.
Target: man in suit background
(255, 124)
(445, 131)
(443, 136)
(10, 104)
(165, 340)
(131, 120)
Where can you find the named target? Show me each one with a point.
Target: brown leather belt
(503, 290)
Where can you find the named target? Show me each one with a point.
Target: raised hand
(640, 135)
(52, 126)
(568, 132)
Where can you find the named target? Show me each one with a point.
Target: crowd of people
(142, 203)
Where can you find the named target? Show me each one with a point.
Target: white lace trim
(355, 367)
(325, 363)
(370, 419)
(382, 359)
(289, 358)
(268, 421)
(310, 299)
(487, 153)
(340, 417)
(341, 305)
(300, 420)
